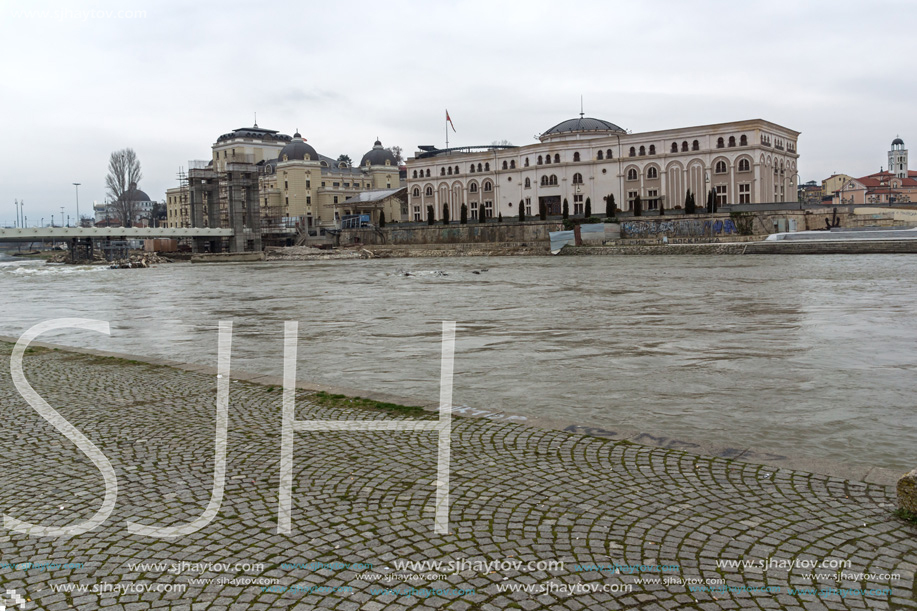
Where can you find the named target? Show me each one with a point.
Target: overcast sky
(167, 82)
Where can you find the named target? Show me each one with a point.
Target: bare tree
(121, 183)
(397, 152)
(503, 142)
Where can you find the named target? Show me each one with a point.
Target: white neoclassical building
(743, 162)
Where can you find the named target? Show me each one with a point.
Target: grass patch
(907, 516)
(329, 400)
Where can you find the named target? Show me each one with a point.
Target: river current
(811, 356)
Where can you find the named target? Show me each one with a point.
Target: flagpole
(447, 129)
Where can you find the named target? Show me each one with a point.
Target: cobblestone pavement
(365, 500)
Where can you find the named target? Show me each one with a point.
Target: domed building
(295, 183)
(585, 160)
(141, 204)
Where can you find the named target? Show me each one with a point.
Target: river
(810, 356)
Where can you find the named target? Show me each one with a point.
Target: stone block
(907, 492)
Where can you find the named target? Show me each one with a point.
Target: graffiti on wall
(678, 228)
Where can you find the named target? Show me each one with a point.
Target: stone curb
(873, 475)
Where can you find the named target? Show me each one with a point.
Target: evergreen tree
(464, 215)
(445, 214)
(610, 210)
(638, 206)
(430, 219)
(542, 211)
(521, 210)
(588, 212)
(381, 219)
(482, 214)
(661, 209)
(711, 201)
(566, 210)
(500, 218)
(690, 207)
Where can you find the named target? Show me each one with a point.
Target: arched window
(608, 154)
(505, 165)
(684, 146)
(415, 173)
(633, 152)
(544, 181)
(512, 164)
(429, 189)
(528, 183)
(720, 167)
(526, 162)
(540, 160)
(695, 146)
(732, 141)
(642, 151)
(547, 159)
(744, 166)
(632, 174)
(674, 147)
(719, 142)
(577, 179)
(487, 167)
(472, 168)
(488, 186)
(553, 179)
(743, 140)
(442, 171)
(450, 171)
(416, 192)
(479, 167)
(473, 187)
(652, 149)
(556, 158)
(652, 172)
(599, 156)
(576, 156)
(456, 170)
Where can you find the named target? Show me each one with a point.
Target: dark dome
(378, 156)
(583, 124)
(897, 141)
(255, 133)
(136, 195)
(297, 149)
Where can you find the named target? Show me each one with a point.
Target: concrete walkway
(540, 519)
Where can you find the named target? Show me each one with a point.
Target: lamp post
(62, 216)
(77, 186)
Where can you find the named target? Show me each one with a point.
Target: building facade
(582, 159)
(296, 185)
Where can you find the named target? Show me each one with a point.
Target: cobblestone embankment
(633, 526)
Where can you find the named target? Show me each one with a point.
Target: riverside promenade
(540, 518)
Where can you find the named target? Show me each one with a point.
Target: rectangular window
(323, 183)
(474, 210)
(416, 213)
(489, 208)
(308, 184)
(308, 199)
(528, 206)
(335, 199)
(578, 204)
(652, 199)
(336, 184)
(745, 193)
(286, 185)
(346, 185)
(631, 196)
(721, 195)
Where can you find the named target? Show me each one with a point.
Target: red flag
(449, 120)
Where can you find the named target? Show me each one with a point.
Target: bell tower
(897, 158)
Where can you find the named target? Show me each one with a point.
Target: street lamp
(77, 185)
(62, 216)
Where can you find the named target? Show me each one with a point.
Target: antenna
(581, 113)
(256, 118)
